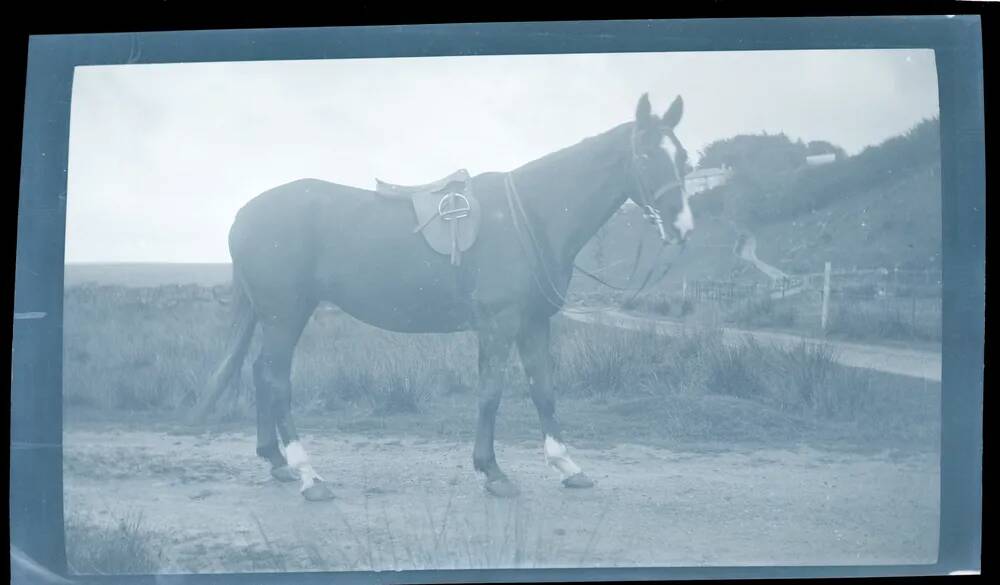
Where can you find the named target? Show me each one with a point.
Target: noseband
(647, 197)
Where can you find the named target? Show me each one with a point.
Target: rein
(646, 281)
(650, 212)
(515, 205)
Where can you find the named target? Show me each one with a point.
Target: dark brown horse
(310, 241)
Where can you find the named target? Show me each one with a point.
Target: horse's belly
(411, 317)
(409, 303)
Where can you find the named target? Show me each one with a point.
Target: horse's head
(658, 187)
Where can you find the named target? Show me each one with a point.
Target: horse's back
(274, 238)
(292, 211)
(313, 240)
(292, 199)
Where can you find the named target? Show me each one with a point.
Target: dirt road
(900, 361)
(415, 503)
(748, 252)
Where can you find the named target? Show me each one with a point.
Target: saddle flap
(437, 230)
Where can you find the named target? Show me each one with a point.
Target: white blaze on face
(556, 457)
(684, 222)
(295, 453)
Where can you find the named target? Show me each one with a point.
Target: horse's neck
(571, 196)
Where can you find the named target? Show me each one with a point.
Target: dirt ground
(405, 503)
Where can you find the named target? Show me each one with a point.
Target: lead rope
(651, 213)
(514, 205)
(635, 267)
(511, 191)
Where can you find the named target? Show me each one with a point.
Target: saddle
(447, 213)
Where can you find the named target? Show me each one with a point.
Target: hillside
(879, 208)
(898, 223)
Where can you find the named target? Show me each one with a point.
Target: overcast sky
(162, 156)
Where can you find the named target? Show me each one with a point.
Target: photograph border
(36, 496)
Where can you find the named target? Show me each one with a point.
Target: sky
(162, 156)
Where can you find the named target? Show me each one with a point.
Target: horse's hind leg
(272, 376)
(267, 432)
(533, 345)
(495, 340)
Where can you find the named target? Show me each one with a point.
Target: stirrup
(456, 212)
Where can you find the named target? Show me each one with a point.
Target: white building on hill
(820, 159)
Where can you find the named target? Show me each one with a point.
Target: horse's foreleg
(533, 344)
(494, 352)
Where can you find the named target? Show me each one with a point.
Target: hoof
(318, 492)
(578, 480)
(502, 488)
(284, 473)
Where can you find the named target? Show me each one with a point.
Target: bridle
(647, 197)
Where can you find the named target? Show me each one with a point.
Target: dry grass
(150, 358)
(761, 313)
(918, 320)
(124, 548)
(503, 534)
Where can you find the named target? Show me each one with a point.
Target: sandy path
(748, 252)
(215, 508)
(900, 361)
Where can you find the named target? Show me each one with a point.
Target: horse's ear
(673, 115)
(643, 112)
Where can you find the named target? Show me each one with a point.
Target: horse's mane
(599, 149)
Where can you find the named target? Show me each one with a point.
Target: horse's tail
(243, 327)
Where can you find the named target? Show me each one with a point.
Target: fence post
(826, 295)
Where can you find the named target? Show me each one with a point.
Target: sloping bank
(904, 362)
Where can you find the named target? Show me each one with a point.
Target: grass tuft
(884, 320)
(124, 548)
(763, 312)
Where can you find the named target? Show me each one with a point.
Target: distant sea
(147, 273)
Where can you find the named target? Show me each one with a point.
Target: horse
(311, 241)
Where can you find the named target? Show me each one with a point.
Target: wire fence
(855, 284)
(718, 290)
(882, 283)
(881, 303)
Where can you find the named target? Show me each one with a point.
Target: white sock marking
(298, 460)
(556, 457)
